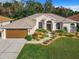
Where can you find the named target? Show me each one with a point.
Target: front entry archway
(49, 25)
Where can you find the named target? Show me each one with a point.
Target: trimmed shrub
(41, 30)
(28, 37)
(61, 31)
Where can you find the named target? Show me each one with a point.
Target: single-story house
(4, 21)
(22, 27)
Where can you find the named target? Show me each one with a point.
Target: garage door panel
(16, 33)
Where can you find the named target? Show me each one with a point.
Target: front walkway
(9, 49)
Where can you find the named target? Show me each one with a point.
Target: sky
(72, 4)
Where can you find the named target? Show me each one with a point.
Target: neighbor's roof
(75, 17)
(30, 21)
(4, 19)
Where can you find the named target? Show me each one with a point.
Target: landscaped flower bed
(40, 34)
(63, 33)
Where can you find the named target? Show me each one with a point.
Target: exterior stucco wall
(4, 34)
(3, 31)
(38, 19)
(67, 25)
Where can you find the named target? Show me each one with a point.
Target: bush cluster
(41, 30)
(28, 37)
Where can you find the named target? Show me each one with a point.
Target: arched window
(72, 25)
(58, 26)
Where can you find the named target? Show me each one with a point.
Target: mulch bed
(48, 42)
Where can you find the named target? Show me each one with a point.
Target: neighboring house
(75, 18)
(4, 21)
(22, 27)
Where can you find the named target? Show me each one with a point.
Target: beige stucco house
(22, 27)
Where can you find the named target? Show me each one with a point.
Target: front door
(49, 25)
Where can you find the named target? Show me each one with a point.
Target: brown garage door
(16, 33)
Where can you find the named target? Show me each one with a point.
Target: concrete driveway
(10, 48)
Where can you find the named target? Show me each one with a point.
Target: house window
(40, 25)
(10, 21)
(72, 25)
(58, 25)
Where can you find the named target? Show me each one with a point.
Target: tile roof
(4, 19)
(75, 17)
(22, 23)
(30, 21)
(59, 18)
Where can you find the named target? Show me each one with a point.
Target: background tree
(17, 10)
(33, 7)
(64, 11)
(48, 6)
(7, 9)
(1, 8)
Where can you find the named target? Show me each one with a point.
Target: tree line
(17, 10)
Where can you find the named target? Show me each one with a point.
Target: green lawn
(63, 48)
